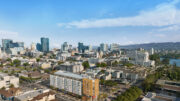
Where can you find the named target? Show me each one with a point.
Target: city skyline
(122, 22)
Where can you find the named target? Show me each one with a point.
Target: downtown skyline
(122, 22)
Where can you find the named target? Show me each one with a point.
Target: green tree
(17, 62)
(8, 60)
(86, 65)
(165, 61)
(11, 86)
(26, 64)
(38, 59)
(156, 58)
(3, 88)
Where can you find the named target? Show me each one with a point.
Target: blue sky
(90, 21)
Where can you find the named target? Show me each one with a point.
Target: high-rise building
(104, 47)
(90, 48)
(38, 46)
(114, 47)
(80, 47)
(33, 46)
(18, 44)
(65, 46)
(44, 44)
(6, 44)
(74, 83)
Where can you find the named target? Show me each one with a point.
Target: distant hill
(164, 45)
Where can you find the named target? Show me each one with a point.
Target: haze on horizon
(90, 21)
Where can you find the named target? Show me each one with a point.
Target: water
(177, 61)
(172, 61)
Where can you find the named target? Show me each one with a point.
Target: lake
(172, 61)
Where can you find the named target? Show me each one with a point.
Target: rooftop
(30, 94)
(3, 74)
(69, 74)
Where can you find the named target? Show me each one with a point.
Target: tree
(38, 59)
(26, 64)
(165, 61)
(17, 62)
(101, 64)
(156, 58)
(129, 95)
(40, 56)
(11, 86)
(3, 88)
(86, 65)
(8, 60)
(60, 62)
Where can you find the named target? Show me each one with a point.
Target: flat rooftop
(3, 74)
(69, 74)
(29, 95)
(170, 85)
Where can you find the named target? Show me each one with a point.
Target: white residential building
(74, 67)
(114, 47)
(63, 56)
(67, 81)
(74, 83)
(93, 61)
(6, 80)
(104, 47)
(140, 58)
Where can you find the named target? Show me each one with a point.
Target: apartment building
(6, 80)
(76, 84)
(74, 67)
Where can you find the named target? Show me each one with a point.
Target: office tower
(18, 44)
(114, 47)
(151, 52)
(44, 44)
(104, 47)
(90, 48)
(65, 46)
(6, 44)
(33, 46)
(80, 47)
(38, 46)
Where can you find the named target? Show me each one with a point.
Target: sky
(90, 21)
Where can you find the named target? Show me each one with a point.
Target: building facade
(114, 47)
(104, 47)
(6, 81)
(76, 84)
(44, 44)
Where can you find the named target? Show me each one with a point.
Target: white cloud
(5, 32)
(170, 28)
(160, 35)
(162, 15)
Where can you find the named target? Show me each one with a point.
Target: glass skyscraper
(38, 47)
(44, 44)
(6, 44)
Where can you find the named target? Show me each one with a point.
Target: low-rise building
(158, 97)
(74, 67)
(46, 65)
(169, 86)
(6, 80)
(8, 95)
(63, 56)
(36, 95)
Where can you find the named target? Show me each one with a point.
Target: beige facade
(90, 87)
(6, 81)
